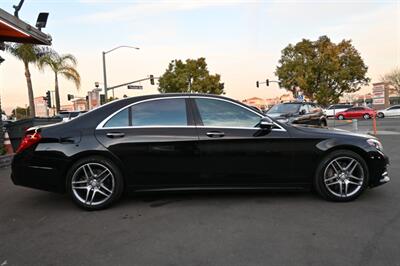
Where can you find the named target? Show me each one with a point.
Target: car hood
(330, 131)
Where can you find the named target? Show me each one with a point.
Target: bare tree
(393, 78)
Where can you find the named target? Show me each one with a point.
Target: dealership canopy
(12, 29)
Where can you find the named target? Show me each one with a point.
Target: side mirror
(266, 123)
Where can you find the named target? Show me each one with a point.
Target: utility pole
(105, 77)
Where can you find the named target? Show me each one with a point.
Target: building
(269, 102)
(256, 102)
(287, 97)
(41, 106)
(80, 104)
(67, 107)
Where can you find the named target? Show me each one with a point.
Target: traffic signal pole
(151, 78)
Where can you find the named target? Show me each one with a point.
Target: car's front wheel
(341, 176)
(381, 115)
(340, 117)
(94, 183)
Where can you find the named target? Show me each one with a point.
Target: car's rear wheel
(381, 115)
(323, 123)
(341, 176)
(95, 183)
(340, 117)
(366, 116)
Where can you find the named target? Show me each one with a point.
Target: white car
(336, 108)
(390, 111)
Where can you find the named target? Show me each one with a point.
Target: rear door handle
(115, 135)
(215, 134)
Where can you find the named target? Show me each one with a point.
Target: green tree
(323, 70)
(27, 53)
(62, 65)
(393, 78)
(20, 113)
(190, 76)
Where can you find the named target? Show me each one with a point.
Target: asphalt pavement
(262, 228)
(384, 126)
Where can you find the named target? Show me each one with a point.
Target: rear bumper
(28, 173)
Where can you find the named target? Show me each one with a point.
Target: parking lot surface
(236, 228)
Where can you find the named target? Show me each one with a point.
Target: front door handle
(115, 135)
(215, 134)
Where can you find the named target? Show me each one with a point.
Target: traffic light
(267, 82)
(151, 79)
(257, 84)
(70, 97)
(48, 98)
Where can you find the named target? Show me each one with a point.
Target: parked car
(390, 111)
(356, 112)
(298, 113)
(333, 109)
(192, 142)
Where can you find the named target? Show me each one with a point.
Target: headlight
(375, 143)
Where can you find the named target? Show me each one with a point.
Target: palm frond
(24, 52)
(72, 74)
(69, 57)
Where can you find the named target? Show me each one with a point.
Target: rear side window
(121, 119)
(219, 113)
(165, 112)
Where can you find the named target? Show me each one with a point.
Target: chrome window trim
(103, 122)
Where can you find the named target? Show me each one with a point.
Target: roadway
(237, 228)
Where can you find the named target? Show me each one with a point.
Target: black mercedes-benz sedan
(192, 142)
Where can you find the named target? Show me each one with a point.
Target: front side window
(164, 112)
(217, 113)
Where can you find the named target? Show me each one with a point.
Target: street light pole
(105, 77)
(105, 70)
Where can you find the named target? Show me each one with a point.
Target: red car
(356, 112)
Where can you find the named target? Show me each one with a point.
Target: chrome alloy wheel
(344, 177)
(93, 184)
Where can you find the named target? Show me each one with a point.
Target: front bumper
(385, 178)
(378, 170)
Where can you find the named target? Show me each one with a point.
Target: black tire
(366, 116)
(323, 123)
(341, 117)
(381, 115)
(319, 183)
(115, 178)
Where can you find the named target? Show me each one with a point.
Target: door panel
(154, 156)
(234, 150)
(155, 140)
(244, 157)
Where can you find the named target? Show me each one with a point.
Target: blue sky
(241, 40)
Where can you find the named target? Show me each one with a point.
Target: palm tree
(62, 65)
(27, 53)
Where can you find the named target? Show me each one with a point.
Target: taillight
(29, 140)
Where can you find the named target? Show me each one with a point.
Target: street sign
(135, 87)
(300, 98)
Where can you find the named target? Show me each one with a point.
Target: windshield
(284, 108)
